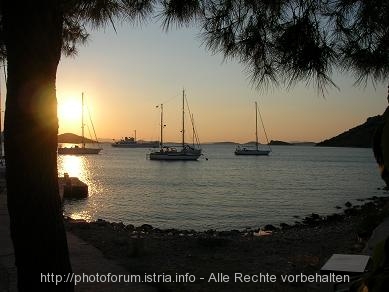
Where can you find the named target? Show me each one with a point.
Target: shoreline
(312, 220)
(290, 249)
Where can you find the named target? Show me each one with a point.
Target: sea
(221, 191)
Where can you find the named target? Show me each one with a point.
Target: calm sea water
(223, 192)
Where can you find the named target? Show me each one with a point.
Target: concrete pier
(72, 187)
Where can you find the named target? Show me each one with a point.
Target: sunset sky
(124, 75)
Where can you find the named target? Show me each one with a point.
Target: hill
(277, 142)
(359, 136)
(73, 138)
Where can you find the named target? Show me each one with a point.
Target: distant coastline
(76, 139)
(277, 142)
(360, 136)
(272, 142)
(221, 143)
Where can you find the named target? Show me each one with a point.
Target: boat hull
(78, 151)
(174, 156)
(167, 153)
(252, 152)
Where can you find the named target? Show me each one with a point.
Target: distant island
(359, 136)
(251, 143)
(277, 142)
(283, 143)
(222, 143)
(73, 138)
(303, 143)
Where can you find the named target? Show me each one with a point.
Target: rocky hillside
(359, 136)
(72, 138)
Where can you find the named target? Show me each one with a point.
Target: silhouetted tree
(284, 42)
(33, 34)
(279, 41)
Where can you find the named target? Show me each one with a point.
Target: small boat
(186, 152)
(83, 150)
(131, 142)
(256, 151)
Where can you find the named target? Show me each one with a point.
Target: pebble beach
(269, 258)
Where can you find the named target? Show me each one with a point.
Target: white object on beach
(262, 233)
(351, 263)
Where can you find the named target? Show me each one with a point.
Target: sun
(69, 111)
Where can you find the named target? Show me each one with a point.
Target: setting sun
(69, 110)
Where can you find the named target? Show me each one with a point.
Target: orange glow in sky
(126, 74)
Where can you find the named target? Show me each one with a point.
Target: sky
(125, 74)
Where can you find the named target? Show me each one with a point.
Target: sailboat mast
(82, 120)
(256, 126)
(183, 118)
(2, 153)
(161, 143)
(1, 138)
(193, 131)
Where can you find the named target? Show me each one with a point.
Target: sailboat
(186, 153)
(77, 150)
(256, 151)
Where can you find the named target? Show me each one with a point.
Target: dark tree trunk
(33, 37)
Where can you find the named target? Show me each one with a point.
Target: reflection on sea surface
(226, 192)
(85, 215)
(84, 168)
(73, 165)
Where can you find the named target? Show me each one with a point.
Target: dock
(72, 187)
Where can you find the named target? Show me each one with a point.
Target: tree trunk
(33, 37)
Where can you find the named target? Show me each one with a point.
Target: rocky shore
(176, 260)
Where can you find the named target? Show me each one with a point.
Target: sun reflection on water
(85, 215)
(77, 166)
(73, 165)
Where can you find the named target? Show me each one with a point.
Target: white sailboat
(256, 151)
(77, 150)
(186, 153)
